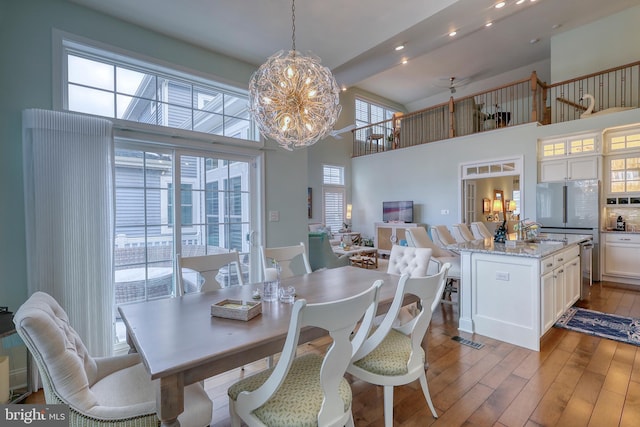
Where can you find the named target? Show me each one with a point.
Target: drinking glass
(271, 284)
(287, 295)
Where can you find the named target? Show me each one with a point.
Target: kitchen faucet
(523, 229)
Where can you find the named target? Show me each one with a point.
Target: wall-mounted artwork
(309, 210)
(486, 205)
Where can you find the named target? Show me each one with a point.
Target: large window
(368, 113)
(214, 213)
(333, 197)
(103, 83)
(174, 195)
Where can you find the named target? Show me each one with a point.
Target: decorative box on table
(235, 309)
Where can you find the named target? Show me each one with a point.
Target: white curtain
(68, 185)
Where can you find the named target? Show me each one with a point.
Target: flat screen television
(397, 211)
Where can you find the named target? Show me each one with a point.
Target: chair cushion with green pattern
(299, 398)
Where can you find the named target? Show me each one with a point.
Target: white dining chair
(286, 257)
(461, 233)
(480, 230)
(408, 259)
(393, 356)
(207, 267)
(310, 389)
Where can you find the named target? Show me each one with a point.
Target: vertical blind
(68, 185)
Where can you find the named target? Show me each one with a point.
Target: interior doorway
(491, 192)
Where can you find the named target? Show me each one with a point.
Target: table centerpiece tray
(236, 309)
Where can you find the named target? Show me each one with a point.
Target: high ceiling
(356, 38)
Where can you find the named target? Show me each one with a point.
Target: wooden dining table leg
(170, 400)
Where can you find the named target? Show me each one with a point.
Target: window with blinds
(368, 113)
(333, 197)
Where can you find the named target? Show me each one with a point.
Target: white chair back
(208, 267)
(112, 390)
(340, 319)
(419, 238)
(410, 260)
(441, 236)
(462, 233)
(401, 359)
(285, 256)
(480, 231)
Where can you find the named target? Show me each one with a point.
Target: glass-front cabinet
(622, 168)
(569, 158)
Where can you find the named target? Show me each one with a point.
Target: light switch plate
(274, 216)
(502, 275)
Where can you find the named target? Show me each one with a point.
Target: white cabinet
(389, 234)
(547, 286)
(584, 167)
(622, 254)
(571, 157)
(573, 280)
(559, 285)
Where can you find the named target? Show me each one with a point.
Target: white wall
(338, 152)
(604, 44)
(429, 174)
(26, 82)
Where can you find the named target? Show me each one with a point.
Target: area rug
(611, 326)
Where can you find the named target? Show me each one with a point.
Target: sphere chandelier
(293, 98)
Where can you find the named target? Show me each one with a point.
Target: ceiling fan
(452, 83)
(336, 132)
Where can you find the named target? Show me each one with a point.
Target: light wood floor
(575, 380)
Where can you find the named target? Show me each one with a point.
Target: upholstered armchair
(113, 391)
(321, 255)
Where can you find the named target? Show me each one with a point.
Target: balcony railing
(524, 101)
(615, 87)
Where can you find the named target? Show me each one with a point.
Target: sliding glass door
(211, 196)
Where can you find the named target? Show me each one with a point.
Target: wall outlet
(274, 216)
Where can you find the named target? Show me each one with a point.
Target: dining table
(181, 343)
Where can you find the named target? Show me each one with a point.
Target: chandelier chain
(293, 24)
(293, 98)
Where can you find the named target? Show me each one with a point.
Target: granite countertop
(621, 232)
(544, 245)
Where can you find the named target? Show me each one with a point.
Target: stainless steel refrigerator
(571, 207)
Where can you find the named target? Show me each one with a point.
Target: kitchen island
(515, 291)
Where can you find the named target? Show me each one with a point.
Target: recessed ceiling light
(452, 33)
(556, 26)
(520, 2)
(399, 47)
(488, 24)
(534, 41)
(500, 5)
(344, 88)
(404, 61)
